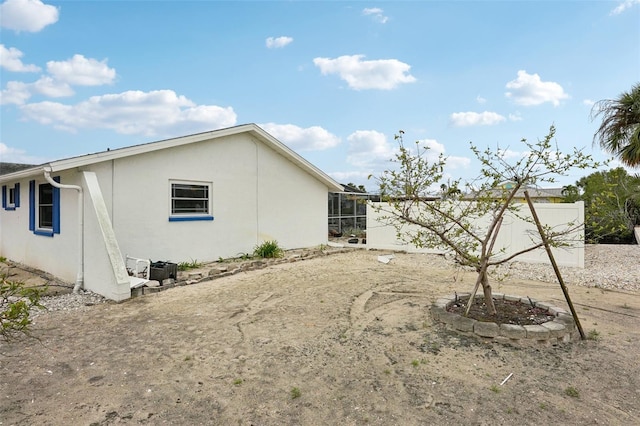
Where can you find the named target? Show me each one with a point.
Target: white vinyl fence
(514, 234)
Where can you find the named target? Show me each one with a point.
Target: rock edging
(216, 270)
(561, 329)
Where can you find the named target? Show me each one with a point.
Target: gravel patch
(69, 302)
(607, 266)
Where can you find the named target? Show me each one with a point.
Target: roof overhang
(252, 129)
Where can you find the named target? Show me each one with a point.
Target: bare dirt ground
(336, 340)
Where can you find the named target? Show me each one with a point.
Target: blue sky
(333, 80)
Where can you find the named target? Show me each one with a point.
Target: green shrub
(268, 249)
(185, 266)
(16, 301)
(295, 393)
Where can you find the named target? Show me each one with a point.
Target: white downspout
(80, 276)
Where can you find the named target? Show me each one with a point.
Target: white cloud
(350, 176)
(369, 148)
(588, 102)
(515, 117)
(10, 60)
(529, 90)
(80, 71)
(465, 119)
(27, 15)
(507, 154)
(436, 148)
(312, 138)
(47, 86)
(16, 92)
(15, 155)
(376, 13)
(481, 100)
(77, 71)
(624, 6)
(359, 74)
(278, 42)
(160, 112)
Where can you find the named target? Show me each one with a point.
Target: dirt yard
(336, 340)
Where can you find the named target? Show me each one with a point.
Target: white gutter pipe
(80, 276)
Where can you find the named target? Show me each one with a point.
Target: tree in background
(612, 205)
(619, 132)
(464, 219)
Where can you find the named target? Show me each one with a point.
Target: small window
(45, 206)
(190, 201)
(11, 197)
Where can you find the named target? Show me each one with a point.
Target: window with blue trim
(44, 208)
(190, 201)
(11, 197)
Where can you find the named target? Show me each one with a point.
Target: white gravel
(606, 266)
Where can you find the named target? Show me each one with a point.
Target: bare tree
(464, 219)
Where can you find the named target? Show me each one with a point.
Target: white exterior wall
(512, 237)
(57, 255)
(257, 195)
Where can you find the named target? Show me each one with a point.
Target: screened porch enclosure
(348, 210)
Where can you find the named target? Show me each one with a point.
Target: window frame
(35, 218)
(11, 196)
(191, 215)
(45, 205)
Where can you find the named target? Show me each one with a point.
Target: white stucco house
(197, 197)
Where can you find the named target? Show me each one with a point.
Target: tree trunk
(486, 289)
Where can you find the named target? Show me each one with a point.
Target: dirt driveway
(337, 340)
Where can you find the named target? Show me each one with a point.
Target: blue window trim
(32, 205)
(16, 199)
(56, 207)
(188, 218)
(56, 210)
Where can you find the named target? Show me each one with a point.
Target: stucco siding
(292, 205)
(58, 254)
(258, 190)
(257, 195)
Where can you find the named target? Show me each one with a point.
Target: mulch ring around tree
(508, 312)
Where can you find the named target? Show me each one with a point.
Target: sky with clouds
(333, 80)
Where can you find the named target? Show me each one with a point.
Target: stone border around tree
(561, 329)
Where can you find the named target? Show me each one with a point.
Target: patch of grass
(387, 371)
(593, 334)
(185, 266)
(238, 382)
(572, 392)
(268, 249)
(415, 363)
(495, 389)
(188, 358)
(3, 259)
(295, 393)
(543, 406)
